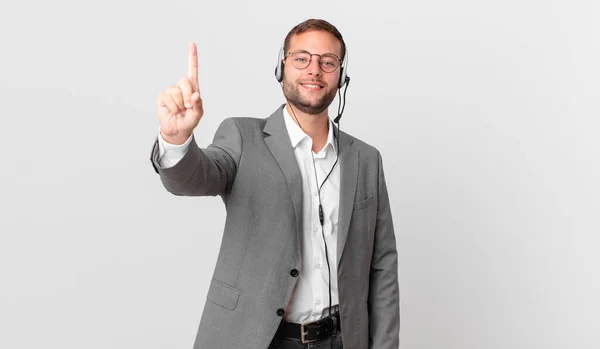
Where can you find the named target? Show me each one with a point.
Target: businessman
(308, 257)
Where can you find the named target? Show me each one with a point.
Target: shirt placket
(317, 282)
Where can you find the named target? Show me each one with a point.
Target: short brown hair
(314, 24)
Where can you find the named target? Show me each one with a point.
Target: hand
(180, 106)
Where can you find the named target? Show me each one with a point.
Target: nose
(313, 68)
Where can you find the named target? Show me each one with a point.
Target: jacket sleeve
(384, 298)
(204, 172)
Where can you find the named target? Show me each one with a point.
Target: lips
(312, 85)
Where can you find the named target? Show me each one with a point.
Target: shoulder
(365, 149)
(246, 123)
(249, 121)
(244, 128)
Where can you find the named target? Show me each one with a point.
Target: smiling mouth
(312, 87)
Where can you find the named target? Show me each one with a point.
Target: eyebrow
(320, 54)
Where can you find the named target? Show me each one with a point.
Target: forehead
(316, 41)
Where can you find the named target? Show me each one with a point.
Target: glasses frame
(310, 60)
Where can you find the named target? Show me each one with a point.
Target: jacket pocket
(223, 295)
(360, 204)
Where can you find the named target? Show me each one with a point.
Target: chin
(313, 102)
(314, 97)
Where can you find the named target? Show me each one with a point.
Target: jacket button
(294, 272)
(280, 312)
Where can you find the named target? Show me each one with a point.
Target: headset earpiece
(279, 66)
(343, 76)
(343, 79)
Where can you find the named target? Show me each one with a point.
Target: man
(300, 196)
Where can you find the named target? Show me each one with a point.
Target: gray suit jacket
(252, 166)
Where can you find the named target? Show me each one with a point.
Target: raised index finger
(193, 65)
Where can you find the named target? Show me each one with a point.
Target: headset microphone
(339, 116)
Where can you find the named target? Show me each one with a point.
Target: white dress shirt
(310, 299)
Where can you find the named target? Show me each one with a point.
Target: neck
(315, 126)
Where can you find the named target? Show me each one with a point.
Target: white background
(486, 114)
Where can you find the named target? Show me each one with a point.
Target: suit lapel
(278, 142)
(348, 180)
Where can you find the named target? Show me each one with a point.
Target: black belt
(312, 331)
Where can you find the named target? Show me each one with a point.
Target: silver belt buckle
(302, 333)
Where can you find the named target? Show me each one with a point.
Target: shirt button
(315, 229)
(294, 272)
(318, 265)
(280, 312)
(318, 302)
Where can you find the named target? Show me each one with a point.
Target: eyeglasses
(301, 59)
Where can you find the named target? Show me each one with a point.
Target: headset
(344, 81)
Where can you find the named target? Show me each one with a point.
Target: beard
(292, 93)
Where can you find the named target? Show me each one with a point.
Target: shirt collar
(297, 135)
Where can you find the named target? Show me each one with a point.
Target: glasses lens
(329, 63)
(300, 59)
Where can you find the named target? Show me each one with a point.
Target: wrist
(178, 139)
